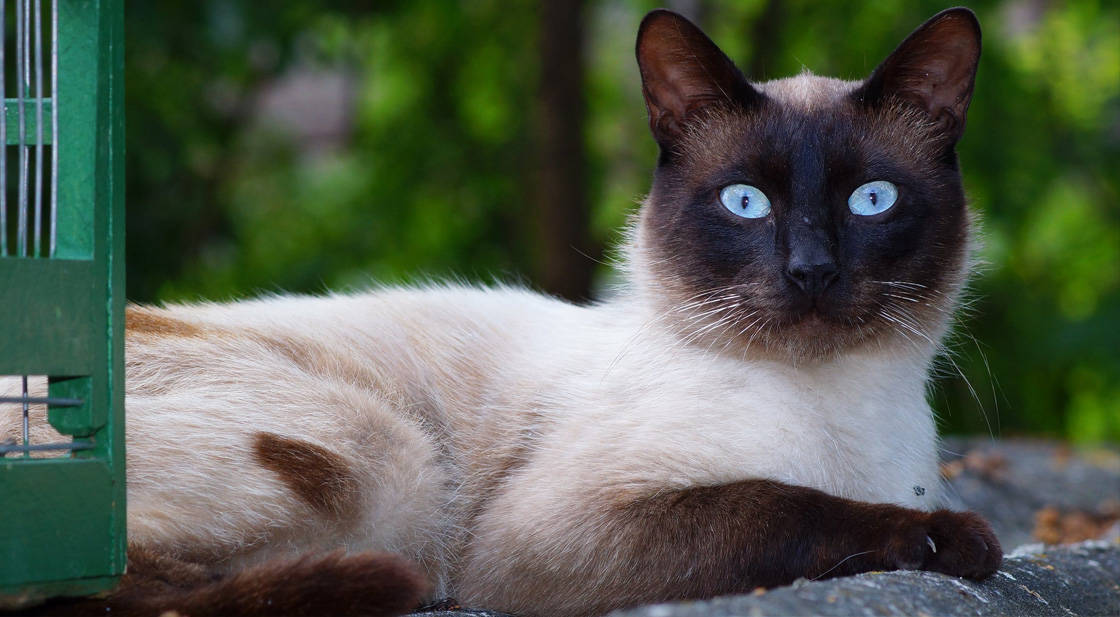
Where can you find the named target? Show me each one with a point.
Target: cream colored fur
(488, 424)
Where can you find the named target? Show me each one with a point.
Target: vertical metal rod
(23, 68)
(38, 128)
(54, 121)
(26, 418)
(25, 154)
(3, 136)
(21, 229)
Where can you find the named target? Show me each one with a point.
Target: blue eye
(745, 200)
(873, 198)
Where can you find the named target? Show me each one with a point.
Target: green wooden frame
(62, 520)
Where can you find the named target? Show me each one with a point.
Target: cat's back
(368, 337)
(439, 310)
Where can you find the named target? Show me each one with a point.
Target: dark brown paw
(956, 543)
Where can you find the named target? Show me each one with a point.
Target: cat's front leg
(774, 533)
(707, 541)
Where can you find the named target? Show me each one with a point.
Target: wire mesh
(20, 401)
(29, 193)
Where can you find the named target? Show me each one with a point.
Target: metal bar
(53, 401)
(3, 138)
(74, 445)
(26, 415)
(54, 123)
(25, 150)
(38, 128)
(21, 61)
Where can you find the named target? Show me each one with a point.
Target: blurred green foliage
(431, 175)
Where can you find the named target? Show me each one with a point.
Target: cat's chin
(809, 336)
(817, 335)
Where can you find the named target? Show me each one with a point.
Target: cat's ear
(934, 68)
(683, 71)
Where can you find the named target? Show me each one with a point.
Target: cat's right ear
(683, 71)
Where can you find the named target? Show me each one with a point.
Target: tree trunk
(566, 257)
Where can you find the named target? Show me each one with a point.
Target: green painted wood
(52, 329)
(81, 421)
(62, 523)
(111, 199)
(71, 527)
(81, 61)
(30, 111)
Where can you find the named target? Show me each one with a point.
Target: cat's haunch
(748, 409)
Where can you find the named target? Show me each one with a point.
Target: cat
(747, 409)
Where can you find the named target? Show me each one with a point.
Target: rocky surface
(1030, 490)
(1080, 579)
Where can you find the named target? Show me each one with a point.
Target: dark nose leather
(812, 277)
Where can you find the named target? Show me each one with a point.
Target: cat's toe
(962, 544)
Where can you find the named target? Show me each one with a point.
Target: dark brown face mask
(831, 217)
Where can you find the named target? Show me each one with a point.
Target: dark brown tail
(336, 584)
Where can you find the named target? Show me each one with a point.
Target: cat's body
(478, 416)
(693, 435)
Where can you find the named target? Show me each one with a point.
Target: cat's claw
(955, 543)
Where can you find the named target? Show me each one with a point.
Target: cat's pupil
(874, 198)
(746, 201)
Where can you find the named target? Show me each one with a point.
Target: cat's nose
(813, 277)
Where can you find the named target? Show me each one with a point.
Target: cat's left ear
(934, 68)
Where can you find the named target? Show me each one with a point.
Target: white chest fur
(660, 417)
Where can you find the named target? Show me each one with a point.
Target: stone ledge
(1075, 580)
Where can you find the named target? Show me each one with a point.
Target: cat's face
(808, 215)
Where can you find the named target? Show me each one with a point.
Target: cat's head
(805, 216)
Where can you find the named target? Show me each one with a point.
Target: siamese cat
(748, 409)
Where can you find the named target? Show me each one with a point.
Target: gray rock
(462, 613)
(1009, 481)
(1075, 580)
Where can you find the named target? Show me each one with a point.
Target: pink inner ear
(688, 84)
(666, 84)
(676, 67)
(945, 79)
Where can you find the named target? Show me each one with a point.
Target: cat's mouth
(798, 332)
(820, 326)
(782, 323)
(818, 309)
(816, 333)
(821, 329)
(819, 322)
